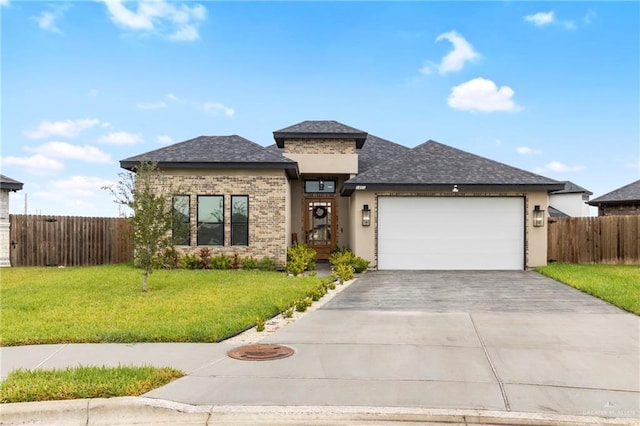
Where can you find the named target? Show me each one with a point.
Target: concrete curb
(147, 411)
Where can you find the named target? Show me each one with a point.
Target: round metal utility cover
(260, 352)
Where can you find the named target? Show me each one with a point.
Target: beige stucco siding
(364, 239)
(336, 156)
(269, 222)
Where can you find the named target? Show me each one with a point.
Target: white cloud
(120, 138)
(556, 166)
(66, 128)
(217, 108)
(4, 2)
(174, 98)
(47, 21)
(482, 95)
(525, 150)
(540, 19)
(454, 60)
(165, 140)
(89, 154)
(80, 186)
(35, 165)
(177, 22)
(156, 105)
(632, 165)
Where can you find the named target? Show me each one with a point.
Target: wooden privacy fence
(603, 239)
(69, 240)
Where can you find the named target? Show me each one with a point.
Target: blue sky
(552, 88)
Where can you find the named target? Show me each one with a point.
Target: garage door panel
(450, 233)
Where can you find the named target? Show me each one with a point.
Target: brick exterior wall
(619, 210)
(320, 146)
(267, 200)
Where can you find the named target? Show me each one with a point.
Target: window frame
(187, 222)
(234, 224)
(335, 183)
(199, 223)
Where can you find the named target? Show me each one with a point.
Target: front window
(239, 220)
(210, 220)
(327, 186)
(180, 225)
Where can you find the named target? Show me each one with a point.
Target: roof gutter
(349, 188)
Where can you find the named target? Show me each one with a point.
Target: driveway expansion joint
(493, 368)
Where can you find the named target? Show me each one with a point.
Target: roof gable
(213, 152)
(434, 164)
(319, 129)
(627, 193)
(572, 188)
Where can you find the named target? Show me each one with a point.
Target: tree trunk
(145, 276)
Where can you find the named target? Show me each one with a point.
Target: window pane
(211, 220)
(239, 220)
(181, 229)
(328, 186)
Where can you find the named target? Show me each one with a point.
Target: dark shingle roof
(625, 194)
(377, 150)
(553, 212)
(9, 184)
(572, 188)
(433, 165)
(320, 129)
(214, 152)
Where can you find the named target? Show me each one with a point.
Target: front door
(320, 219)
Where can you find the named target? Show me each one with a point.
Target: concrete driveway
(506, 341)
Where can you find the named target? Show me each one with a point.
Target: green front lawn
(105, 303)
(617, 284)
(83, 382)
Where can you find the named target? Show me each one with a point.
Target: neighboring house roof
(433, 165)
(627, 194)
(572, 188)
(553, 212)
(215, 152)
(9, 184)
(377, 150)
(320, 129)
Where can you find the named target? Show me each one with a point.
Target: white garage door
(451, 233)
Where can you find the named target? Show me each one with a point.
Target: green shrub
(343, 272)
(346, 257)
(331, 285)
(220, 261)
(300, 258)
(249, 262)
(268, 264)
(288, 313)
(191, 261)
(303, 304)
(360, 265)
(260, 324)
(317, 293)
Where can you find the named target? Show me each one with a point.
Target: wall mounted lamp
(321, 184)
(538, 216)
(366, 215)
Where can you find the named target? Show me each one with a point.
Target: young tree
(152, 215)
